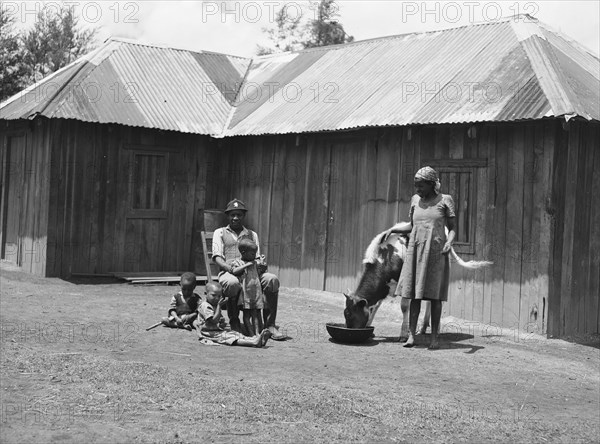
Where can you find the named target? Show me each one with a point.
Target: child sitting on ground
(211, 325)
(184, 305)
(252, 298)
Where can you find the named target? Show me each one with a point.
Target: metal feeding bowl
(341, 333)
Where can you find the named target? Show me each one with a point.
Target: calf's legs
(373, 310)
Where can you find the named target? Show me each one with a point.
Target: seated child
(252, 298)
(211, 325)
(184, 305)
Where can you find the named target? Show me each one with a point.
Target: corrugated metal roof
(138, 85)
(507, 70)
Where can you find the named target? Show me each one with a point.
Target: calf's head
(356, 312)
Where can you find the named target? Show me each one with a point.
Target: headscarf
(429, 174)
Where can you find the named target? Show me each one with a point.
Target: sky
(236, 27)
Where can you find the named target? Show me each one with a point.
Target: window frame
(148, 213)
(461, 246)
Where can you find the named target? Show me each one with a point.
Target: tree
(287, 35)
(293, 33)
(55, 40)
(324, 30)
(13, 72)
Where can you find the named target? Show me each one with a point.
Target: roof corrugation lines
(510, 70)
(138, 85)
(502, 71)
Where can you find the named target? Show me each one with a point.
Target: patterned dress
(426, 271)
(251, 295)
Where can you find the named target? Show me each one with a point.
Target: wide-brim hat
(236, 204)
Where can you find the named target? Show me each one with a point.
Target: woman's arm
(401, 227)
(451, 235)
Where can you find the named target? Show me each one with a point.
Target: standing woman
(426, 271)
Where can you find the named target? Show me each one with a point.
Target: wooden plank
(530, 244)
(342, 237)
(467, 187)
(569, 304)
(110, 247)
(60, 150)
(542, 196)
(25, 246)
(408, 146)
(278, 249)
(296, 177)
(441, 143)
(581, 240)
(4, 181)
(497, 218)
(199, 178)
(42, 234)
(559, 178)
(479, 276)
(100, 185)
(484, 218)
(391, 146)
(514, 227)
(53, 171)
(86, 241)
(456, 296)
(457, 163)
(456, 142)
(290, 250)
(319, 172)
(592, 320)
(586, 323)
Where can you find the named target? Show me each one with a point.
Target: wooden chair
(212, 269)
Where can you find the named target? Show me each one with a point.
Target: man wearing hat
(225, 251)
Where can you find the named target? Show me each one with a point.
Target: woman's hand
(447, 247)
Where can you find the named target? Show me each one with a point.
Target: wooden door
(346, 222)
(146, 216)
(12, 191)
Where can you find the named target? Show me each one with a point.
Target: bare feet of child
(410, 341)
(265, 335)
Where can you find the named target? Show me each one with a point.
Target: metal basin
(341, 333)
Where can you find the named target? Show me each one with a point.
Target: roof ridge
(569, 39)
(161, 46)
(397, 36)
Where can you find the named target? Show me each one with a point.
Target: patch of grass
(150, 403)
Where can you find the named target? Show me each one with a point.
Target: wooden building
(323, 145)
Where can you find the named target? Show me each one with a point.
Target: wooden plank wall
(536, 212)
(30, 167)
(575, 259)
(89, 230)
(370, 188)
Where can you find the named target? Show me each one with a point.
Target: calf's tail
(472, 265)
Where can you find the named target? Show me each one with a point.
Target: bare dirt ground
(78, 366)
